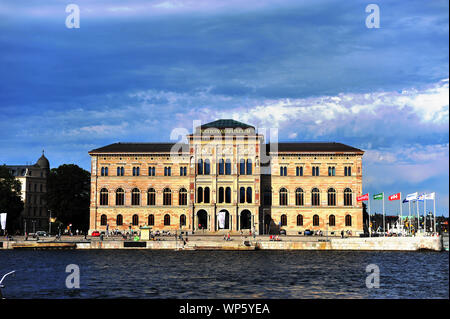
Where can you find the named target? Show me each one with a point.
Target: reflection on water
(223, 274)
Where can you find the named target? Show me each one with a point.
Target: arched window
(228, 195)
(283, 197)
(221, 195)
(200, 195)
(249, 195)
(242, 167)
(347, 197)
(227, 167)
(182, 220)
(249, 167)
(151, 220)
(166, 220)
(331, 197)
(103, 196)
(119, 220)
(167, 197)
(242, 195)
(283, 220)
(135, 220)
(182, 198)
(103, 220)
(135, 197)
(332, 220)
(206, 196)
(200, 167)
(316, 220)
(299, 197)
(207, 167)
(315, 197)
(299, 220)
(221, 167)
(348, 220)
(151, 197)
(120, 197)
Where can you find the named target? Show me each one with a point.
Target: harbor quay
(236, 242)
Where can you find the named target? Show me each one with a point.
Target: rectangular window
(151, 171)
(315, 171)
(347, 171)
(183, 171)
(331, 171)
(120, 171)
(283, 170)
(167, 171)
(299, 171)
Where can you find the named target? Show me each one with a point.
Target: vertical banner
(3, 221)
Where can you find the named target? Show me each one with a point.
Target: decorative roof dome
(43, 162)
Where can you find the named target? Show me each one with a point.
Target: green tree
(10, 199)
(68, 191)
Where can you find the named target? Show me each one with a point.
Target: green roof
(226, 123)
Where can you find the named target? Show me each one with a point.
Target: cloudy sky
(137, 70)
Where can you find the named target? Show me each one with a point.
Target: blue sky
(136, 70)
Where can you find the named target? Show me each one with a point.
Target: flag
(405, 200)
(421, 197)
(362, 197)
(431, 196)
(378, 196)
(412, 196)
(394, 197)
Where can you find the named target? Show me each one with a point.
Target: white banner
(3, 221)
(221, 219)
(431, 196)
(412, 196)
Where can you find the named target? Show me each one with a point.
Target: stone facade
(33, 179)
(226, 179)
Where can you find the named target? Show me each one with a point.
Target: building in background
(226, 178)
(33, 178)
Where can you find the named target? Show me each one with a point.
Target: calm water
(222, 274)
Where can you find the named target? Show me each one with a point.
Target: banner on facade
(221, 219)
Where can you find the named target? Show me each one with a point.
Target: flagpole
(434, 212)
(368, 202)
(418, 216)
(425, 214)
(409, 218)
(384, 219)
(401, 218)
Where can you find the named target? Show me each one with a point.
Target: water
(225, 274)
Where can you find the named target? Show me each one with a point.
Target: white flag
(421, 197)
(412, 196)
(3, 221)
(431, 196)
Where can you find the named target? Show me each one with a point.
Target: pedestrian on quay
(342, 233)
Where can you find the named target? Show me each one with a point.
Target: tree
(10, 199)
(68, 191)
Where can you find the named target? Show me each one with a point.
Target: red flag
(362, 197)
(394, 197)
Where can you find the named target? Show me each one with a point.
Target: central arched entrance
(223, 219)
(202, 217)
(246, 219)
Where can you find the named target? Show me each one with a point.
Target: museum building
(227, 179)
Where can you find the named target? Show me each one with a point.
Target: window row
(316, 220)
(315, 171)
(136, 171)
(224, 167)
(315, 197)
(136, 197)
(135, 220)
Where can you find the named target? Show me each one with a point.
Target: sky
(138, 71)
